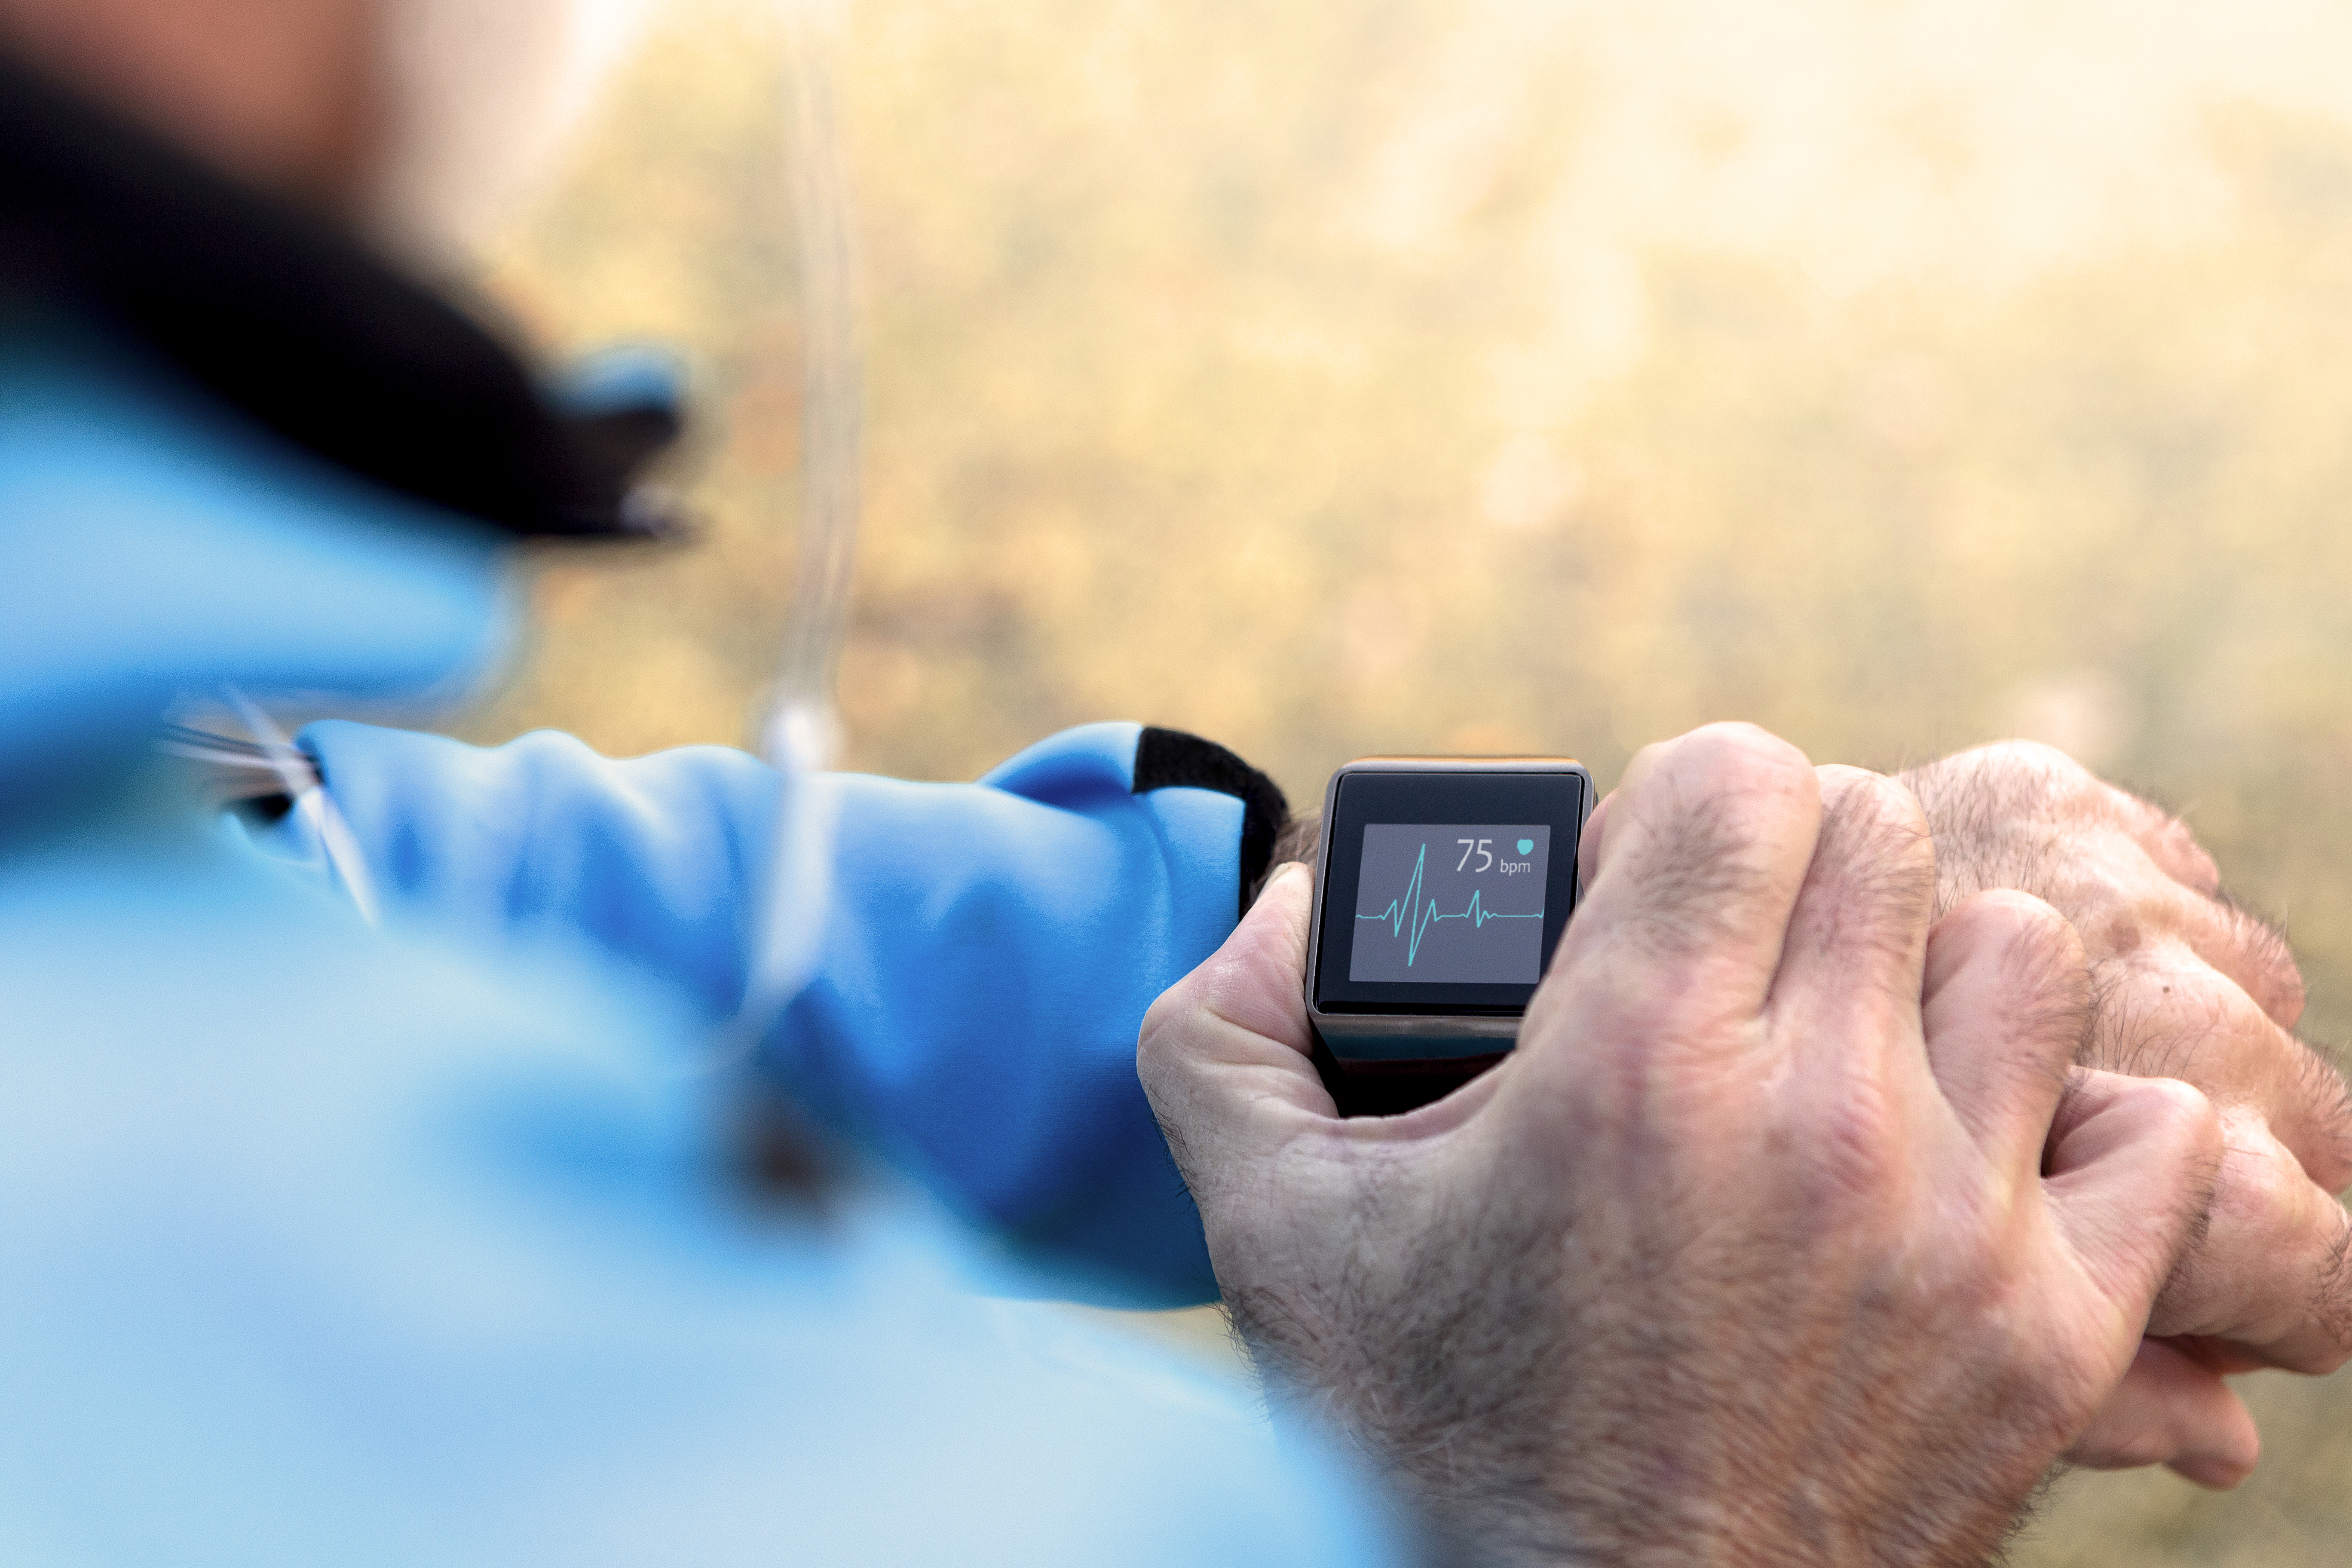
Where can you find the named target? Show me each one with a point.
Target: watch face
(1450, 903)
(1444, 892)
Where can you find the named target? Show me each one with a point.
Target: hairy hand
(2187, 985)
(1787, 1234)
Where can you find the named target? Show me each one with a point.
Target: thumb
(2129, 1175)
(1224, 1054)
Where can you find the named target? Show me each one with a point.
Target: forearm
(989, 950)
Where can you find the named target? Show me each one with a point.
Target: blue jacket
(990, 952)
(325, 1244)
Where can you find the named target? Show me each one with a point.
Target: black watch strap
(1393, 1088)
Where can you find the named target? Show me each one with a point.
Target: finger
(1223, 1053)
(2233, 941)
(2164, 838)
(2163, 1011)
(2172, 1410)
(2252, 951)
(2000, 805)
(1700, 856)
(2269, 1275)
(2005, 999)
(1858, 935)
(2130, 1169)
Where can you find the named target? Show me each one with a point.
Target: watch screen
(1452, 903)
(1440, 894)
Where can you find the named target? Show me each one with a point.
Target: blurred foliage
(1422, 375)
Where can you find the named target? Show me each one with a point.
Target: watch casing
(1390, 1047)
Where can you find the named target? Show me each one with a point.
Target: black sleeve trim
(282, 313)
(1171, 759)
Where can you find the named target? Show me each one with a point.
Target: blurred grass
(1408, 374)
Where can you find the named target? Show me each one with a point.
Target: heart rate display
(1460, 904)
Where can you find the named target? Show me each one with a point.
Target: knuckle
(2041, 948)
(2095, 885)
(2283, 982)
(2157, 1011)
(2031, 771)
(2259, 1184)
(1744, 758)
(2181, 1113)
(1739, 732)
(2322, 1088)
(2174, 845)
(1859, 796)
(2109, 888)
(2010, 815)
(2258, 952)
(2276, 1220)
(2332, 1294)
(2311, 1245)
(1874, 838)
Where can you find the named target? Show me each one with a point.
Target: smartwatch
(1442, 886)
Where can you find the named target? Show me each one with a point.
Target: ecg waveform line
(1422, 916)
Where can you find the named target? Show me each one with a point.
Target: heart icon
(1526, 846)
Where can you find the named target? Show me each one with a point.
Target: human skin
(285, 93)
(2186, 984)
(415, 123)
(1789, 1233)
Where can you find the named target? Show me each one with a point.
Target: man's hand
(1787, 1234)
(2185, 984)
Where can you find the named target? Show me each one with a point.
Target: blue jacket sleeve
(989, 947)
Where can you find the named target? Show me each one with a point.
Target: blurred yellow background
(1491, 374)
